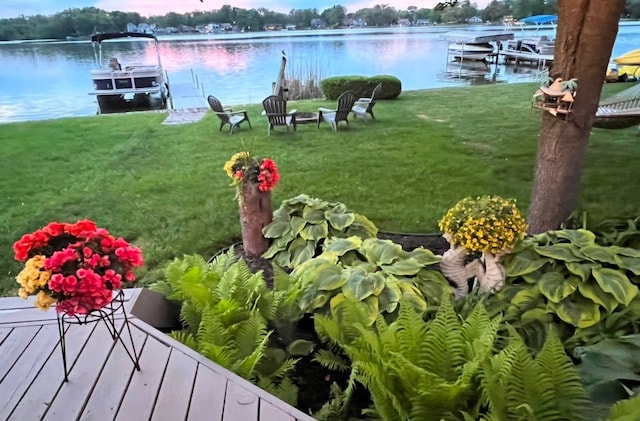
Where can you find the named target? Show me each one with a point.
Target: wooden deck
(174, 383)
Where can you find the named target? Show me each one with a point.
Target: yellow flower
(486, 223)
(240, 156)
(33, 276)
(44, 300)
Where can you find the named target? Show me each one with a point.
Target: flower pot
(255, 213)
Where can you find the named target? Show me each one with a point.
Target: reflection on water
(40, 80)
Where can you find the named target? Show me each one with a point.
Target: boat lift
(473, 38)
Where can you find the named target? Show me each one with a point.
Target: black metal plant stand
(107, 316)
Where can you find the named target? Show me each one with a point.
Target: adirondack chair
(333, 117)
(364, 106)
(227, 115)
(275, 109)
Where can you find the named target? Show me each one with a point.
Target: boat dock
(186, 96)
(187, 102)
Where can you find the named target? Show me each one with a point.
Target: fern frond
(335, 408)
(248, 334)
(521, 383)
(331, 360)
(409, 332)
(246, 367)
(285, 390)
(223, 261)
(559, 383)
(219, 354)
(493, 379)
(442, 350)
(190, 316)
(211, 330)
(186, 338)
(192, 288)
(163, 287)
(284, 370)
(625, 410)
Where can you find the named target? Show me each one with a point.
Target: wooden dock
(184, 96)
(174, 383)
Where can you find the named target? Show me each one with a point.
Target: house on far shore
(423, 22)
(290, 27)
(317, 23)
(404, 22)
(475, 20)
(142, 28)
(353, 22)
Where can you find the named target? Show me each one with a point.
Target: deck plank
(207, 399)
(4, 332)
(111, 386)
(71, 398)
(240, 404)
(41, 391)
(175, 391)
(286, 408)
(27, 367)
(140, 398)
(269, 412)
(14, 346)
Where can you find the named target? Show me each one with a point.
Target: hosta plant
(588, 291)
(375, 272)
(301, 225)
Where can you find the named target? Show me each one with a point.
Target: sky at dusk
(16, 8)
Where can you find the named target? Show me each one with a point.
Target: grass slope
(164, 189)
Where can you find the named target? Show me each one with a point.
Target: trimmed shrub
(362, 85)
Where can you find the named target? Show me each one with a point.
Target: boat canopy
(540, 19)
(114, 35)
(476, 37)
(629, 58)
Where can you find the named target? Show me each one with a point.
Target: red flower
(55, 229)
(83, 229)
(268, 176)
(86, 264)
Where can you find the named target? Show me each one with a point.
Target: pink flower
(86, 264)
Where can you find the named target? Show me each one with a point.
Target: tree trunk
(587, 30)
(255, 213)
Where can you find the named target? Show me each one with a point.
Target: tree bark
(256, 212)
(587, 30)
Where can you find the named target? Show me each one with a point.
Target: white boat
(532, 49)
(479, 52)
(474, 45)
(127, 87)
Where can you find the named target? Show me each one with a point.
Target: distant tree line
(88, 20)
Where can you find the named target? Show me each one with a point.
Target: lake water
(42, 80)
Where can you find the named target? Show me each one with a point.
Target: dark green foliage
(610, 370)
(619, 232)
(363, 86)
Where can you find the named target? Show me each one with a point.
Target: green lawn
(163, 187)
